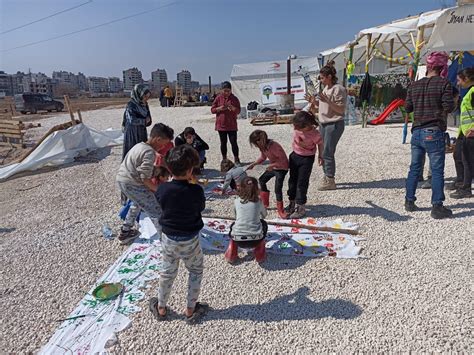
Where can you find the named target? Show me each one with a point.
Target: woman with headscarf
(136, 118)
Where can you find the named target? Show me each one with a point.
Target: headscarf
(138, 92)
(438, 59)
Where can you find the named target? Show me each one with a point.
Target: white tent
(454, 30)
(250, 80)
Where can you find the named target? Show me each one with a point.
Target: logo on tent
(274, 66)
(267, 90)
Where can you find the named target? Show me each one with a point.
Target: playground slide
(388, 110)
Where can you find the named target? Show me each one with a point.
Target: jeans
(233, 142)
(142, 199)
(331, 133)
(171, 253)
(430, 141)
(202, 155)
(279, 179)
(300, 172)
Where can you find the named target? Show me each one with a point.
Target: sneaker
(453, 185)
(300, 212)
(327, 183)
(440, 212)
(290, 208)
(410, 206)
(126, 237)
(238, 163)
(461, 193)
(427, 184)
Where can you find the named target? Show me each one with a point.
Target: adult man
(168, 95)
(430, 99)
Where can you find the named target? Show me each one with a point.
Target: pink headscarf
(438, 59)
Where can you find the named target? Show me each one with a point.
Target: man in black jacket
(189, 136)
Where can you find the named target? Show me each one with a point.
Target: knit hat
(436, 60)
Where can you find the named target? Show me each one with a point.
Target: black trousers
(233, 142)
(279, 179)
(468, 160)
(300, 172)
(251, 243)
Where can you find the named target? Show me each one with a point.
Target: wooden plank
(10, 130)
(9, 144)
(15, 127)
(69, 108)
(11, 135)
(10, 121)
(80, 115)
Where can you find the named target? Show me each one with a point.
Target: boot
(440, 212)
(300, 212)
(127, 236)
(231, 253)
(281, 212)
(265, 197)
(427, 184)
(327, 183)
(410, 206)
(461, 193)
(453, 185)
(260, 253)
(290, 208)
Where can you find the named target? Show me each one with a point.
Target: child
(189, 136)
(249, 230)
(306, 141)
(277, 168)
(181, 221)
(161, 174)
(234, 175)
(134, 179)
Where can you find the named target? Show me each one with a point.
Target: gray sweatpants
(172, 252)
(331, 133)
(142, 199)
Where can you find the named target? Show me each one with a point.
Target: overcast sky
(204, 36)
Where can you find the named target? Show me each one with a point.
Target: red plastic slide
(388, 110)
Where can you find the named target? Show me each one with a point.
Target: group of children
(175, 205)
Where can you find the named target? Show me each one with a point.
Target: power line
(45, 18)
(90, 28)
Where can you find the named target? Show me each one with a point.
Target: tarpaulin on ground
(62, 147)
(92, 326)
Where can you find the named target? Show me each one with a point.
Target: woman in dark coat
(136, 118)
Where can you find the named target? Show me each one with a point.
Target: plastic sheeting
(62, 147)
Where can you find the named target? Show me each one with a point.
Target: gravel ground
(410, 293)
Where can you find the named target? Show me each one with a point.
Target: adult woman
(136, 118)
(332, 106)
(465, 142)
(226, 107)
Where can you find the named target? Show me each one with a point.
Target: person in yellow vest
(168, 93)
(465, 141)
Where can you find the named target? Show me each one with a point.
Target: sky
(205, 37)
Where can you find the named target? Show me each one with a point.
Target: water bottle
(107, 232)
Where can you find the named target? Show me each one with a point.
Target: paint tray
(107, 291)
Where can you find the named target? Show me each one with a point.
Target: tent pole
(367, 59)
(391, 51)
(419, 45)
(288, 76)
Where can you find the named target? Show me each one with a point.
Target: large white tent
(251, 79)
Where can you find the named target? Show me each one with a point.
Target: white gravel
(413, 292)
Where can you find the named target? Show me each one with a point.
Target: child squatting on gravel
(306, 141)
(234, 175)
(249, 229)
(277, 168)
(181, 222)
(134, 179)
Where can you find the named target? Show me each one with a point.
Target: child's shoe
(231, 253)
(281, 211)
(265, 197)
(260, 252)
(290, 208)
(126, 237)
(300, 212)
